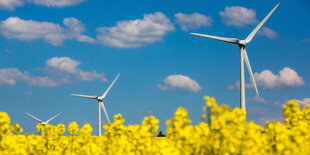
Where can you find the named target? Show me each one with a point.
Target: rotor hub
(242, 42)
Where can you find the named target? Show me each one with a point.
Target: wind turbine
(243, 55)
(41, 122)
(100, 103)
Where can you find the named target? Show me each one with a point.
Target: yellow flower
(226, 133)
(73, 128)
(86, 131)
(210, 101)
(61, 129)
(4, 122)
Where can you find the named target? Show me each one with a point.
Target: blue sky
(50, 49)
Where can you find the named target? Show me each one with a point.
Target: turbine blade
(228, 40)
(105, 112)
(252, 34)
(85, 96)
(106, 92)
(34, 117)
(53, 117)
(247, 62)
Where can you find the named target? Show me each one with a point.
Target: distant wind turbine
(41, 122)
(100, 104)
(243, 55)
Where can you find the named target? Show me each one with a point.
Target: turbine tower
(243, 55)
(41, 122)
(100, 103)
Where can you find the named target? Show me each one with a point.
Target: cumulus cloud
(286, 79)
(304, 101)
(68, 66)
(10, 76)
(257, 99)
(136, 33)
(74, 30)
(56, 3)
(179, 83)
(87, 76)
(269, 33)
(64, 64)
(10, 4)
(238, 16)
(28, 30)
(62, 70)
(84, 38)
(192, 21)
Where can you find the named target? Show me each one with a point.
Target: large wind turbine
(100, 103)
(41, 122)
(243, 55)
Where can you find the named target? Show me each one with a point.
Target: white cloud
(75, 27)
(83, 38)
(180, 83)
(269, 33)
(56, 3)
(93, 75)
(74, 30)
(286, 79)
(10, 76)
(304, 101)
(192, 21)
(62, 70)
(257, 99)
(10, 4)
(238, 16)
(43, 81)
(66, 65)
(136, 33)
(28, 30)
